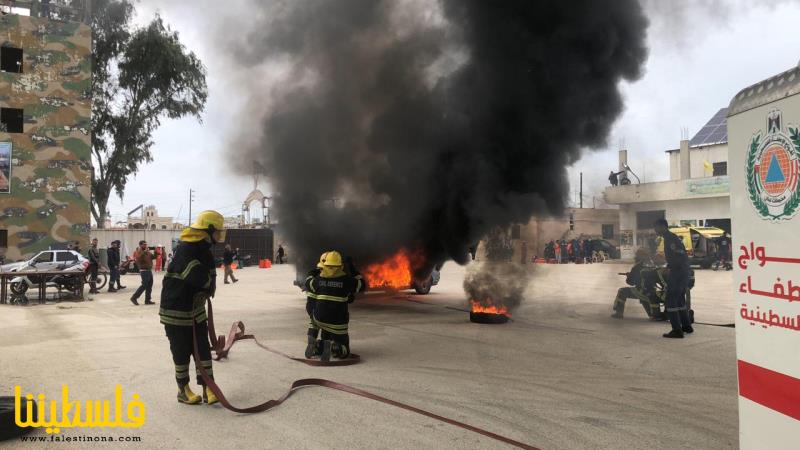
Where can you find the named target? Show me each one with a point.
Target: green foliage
(139, 77)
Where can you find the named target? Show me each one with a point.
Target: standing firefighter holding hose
(190, 280)
(334, 289)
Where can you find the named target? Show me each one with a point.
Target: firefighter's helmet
(209, 225)
(333, 259)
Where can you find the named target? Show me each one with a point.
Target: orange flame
(393, 273)
(489, 306)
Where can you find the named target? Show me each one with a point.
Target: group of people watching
(579, 251)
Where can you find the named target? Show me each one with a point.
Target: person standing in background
(144, 260)
(113, 266)
(227, 261)
(94, 264)
(281, 252)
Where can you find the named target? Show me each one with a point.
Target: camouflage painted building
(45, 108)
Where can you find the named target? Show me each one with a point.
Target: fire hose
(222, 347)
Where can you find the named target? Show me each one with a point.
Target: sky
(702, 52)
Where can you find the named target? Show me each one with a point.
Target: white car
(46, 260)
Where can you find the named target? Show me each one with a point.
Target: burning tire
(8, 428)
(487, 318)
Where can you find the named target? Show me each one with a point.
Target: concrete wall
(668, 190)
(130, 238)
(48, 203)
(712, 154)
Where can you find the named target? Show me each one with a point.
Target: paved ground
(562, 375)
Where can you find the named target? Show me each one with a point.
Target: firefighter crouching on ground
(641, 280)
(334, 289)
(313, 348)
(190, 280)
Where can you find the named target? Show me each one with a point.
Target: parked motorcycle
(28, 278)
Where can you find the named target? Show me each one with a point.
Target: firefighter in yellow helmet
(189, 281)
(333, 289)
(313, 347)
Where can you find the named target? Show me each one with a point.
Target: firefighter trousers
(313, 329)
(332, 318)
(676, 299)
(180, 344)
(651, 307)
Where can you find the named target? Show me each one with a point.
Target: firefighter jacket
(191, 272)
(340, 289)
(634, 277)
(675, 252)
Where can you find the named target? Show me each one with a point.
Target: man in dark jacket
(677, 281)
(227, 260)
(334, 289)
(189, 282)
(113, 266)
(94, 264)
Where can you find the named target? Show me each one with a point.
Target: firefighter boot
(311, 348)
(326, 351)
(185, 395)
(208, 396)
(340, 350)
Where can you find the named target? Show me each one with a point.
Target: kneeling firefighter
(641, 282)
(190, 280)
(333, 289)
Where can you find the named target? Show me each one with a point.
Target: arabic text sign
(766, 282)
(77, 414)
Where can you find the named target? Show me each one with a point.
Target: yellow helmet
(321, 262)
(333, 259)
(209, 225)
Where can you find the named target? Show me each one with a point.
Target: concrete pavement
(563, 374)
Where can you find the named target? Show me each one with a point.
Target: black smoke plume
(425, 124)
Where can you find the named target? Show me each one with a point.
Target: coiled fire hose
(222, 347)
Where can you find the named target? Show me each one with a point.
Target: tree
(139, 77)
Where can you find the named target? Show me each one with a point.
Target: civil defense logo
(773, 170)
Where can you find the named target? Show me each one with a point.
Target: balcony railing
(66, 10)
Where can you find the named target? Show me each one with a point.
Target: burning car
(399, 272)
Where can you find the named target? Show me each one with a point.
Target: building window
(3, 238)
(571, 221)
(11, 120)
(515, 232)
(608, 231)
(720, 168)
(11, 59)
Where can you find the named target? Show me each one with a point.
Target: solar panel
(715, 131)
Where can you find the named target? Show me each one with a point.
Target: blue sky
(701, 54)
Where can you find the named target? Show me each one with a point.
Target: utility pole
(581, 192)
(191, 199)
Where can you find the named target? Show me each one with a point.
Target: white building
(150, 220)
(697, 193)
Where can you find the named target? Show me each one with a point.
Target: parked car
(611, 248)
(46, 260)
